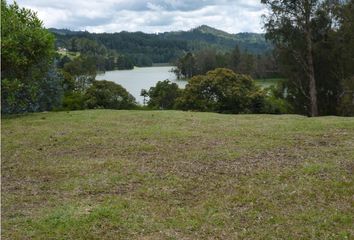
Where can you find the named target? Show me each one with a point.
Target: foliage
(109, 95)
(346, 49)
(276, 102)
(144, 93)
(221, 90)
(51, 91)
(27, 51)
(106, 59)
(205, 37)
(258, 66)
(81, 89)
(186, 66)
(163, 95)
(83, 71)
(346, 100)
(315, 51)
(144, 49)
(74, 101)
(291, 27)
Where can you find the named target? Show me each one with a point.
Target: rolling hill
(166, 47)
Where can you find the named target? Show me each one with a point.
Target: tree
(221, 90)
(27, 53)
(346, 99)
(346, 49)
(206, 60)
(83, 69)
(235, 59)
(163, 95)
(186, 66)
(290, 25)
(247, 63)
(106, 94)
(203, 61)
(144, 93)
(325, 27)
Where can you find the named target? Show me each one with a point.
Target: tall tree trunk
(311, 76)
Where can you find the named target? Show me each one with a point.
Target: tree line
(256, 65)
(105, 59)
(144, 49)
(220, 90)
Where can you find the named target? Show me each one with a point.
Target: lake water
(140, 78)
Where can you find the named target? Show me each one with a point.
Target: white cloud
(149, 16)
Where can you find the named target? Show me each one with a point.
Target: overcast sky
(150, 16)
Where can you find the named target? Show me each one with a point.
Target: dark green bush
(106, 94)
(221, 90)
(74, 101)
(163, 95)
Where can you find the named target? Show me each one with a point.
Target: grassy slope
(176, 175)
(267, 82)
(71, 55)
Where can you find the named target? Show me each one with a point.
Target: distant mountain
(168, 46)
(62, 31)
(209, 30)
(252, 42)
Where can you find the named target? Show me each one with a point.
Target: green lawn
(176, 175)
(71, 55)
(267, 82)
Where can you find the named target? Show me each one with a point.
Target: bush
(276, 102)
(163, 95)
(221, 90)
(275, 105)
(74, 101)
(106, 94)
(346, 99)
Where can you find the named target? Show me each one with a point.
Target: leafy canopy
(163, 95)
(222, 90)
(27, 51)
(106, 94)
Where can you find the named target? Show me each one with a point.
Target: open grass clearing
(105, 174)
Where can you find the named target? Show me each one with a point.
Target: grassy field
(176, 175)
(267, 82)
(71, 55)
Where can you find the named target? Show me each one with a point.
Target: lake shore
(141, 78)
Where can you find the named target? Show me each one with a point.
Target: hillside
(176, 175)
(168, 46)
(211, 37)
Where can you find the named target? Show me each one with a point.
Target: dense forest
(143, 49)
(259, 66)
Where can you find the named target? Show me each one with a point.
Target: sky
(150, 16)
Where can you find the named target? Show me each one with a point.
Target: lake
(141, 78)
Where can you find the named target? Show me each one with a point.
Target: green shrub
(163, 95)
(276, 102)
(106, 94)
(346, 99)
(74, 101)
(221, 90)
